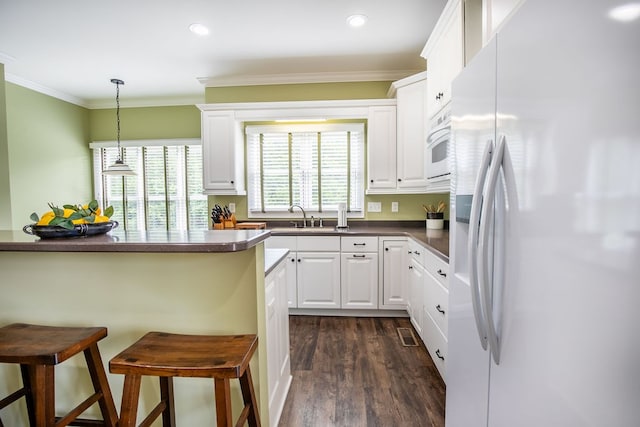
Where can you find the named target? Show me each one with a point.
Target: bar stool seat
(221, 357)
(38, 349)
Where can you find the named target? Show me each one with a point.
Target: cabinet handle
(416, 252)
(411, 267)
(440, 272)
(298, 259)
(438, 354)
(293, 260)
(386, 249)
(371, 181)
(439, 309)
(359, 244)
(358, 256)
(232, 182)
(399, 179)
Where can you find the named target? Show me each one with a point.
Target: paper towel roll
(342, 215)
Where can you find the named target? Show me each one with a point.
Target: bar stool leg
(249, 397)
(100, 384)
(166, 395)
(130, 395)
(42, 383)
(223, 402)
(25, 370)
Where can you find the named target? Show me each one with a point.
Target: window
(166, 193)
(315, 166)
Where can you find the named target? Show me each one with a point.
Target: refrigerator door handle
(472, 249)
(483, 265)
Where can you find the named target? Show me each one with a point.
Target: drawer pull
(440, 272)
(359, 244)
(438, 354)
(416, 252)
(439, 309)
(411, 267)
(358, 256)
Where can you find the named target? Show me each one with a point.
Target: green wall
(48, 154)
(146, 123)
(5, 182)
(298, 92)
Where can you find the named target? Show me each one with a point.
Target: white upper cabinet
(411, 134)
(444, 53)
(396, 144)
(222, 153)
(381, 150)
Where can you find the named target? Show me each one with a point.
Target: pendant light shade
(119, 168)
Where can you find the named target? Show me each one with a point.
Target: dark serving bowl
(79, 230)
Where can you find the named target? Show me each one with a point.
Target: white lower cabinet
(277, 339)
(416, 291)
(318, 279)
(359, 280)
(393, 273)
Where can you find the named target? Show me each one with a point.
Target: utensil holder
(435, 220)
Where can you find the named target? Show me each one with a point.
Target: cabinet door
(222, 154)
(359, 280)
(318, 279)
(451, 54)
(411, 144)
(292, 280)
(271, 309)
(416, 291)
(381, 150)
(394, 274)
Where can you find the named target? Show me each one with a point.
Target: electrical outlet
(232, 207)
(394, 207)
(374, 207)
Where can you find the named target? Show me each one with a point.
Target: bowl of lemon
(71, 221)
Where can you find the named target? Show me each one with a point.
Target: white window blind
(315, 166)
(166, 193)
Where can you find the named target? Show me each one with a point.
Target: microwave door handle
(472, 248)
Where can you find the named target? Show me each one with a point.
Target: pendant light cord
(118, 82)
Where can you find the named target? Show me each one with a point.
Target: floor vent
(407, 338)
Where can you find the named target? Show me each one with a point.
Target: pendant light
(118, 168)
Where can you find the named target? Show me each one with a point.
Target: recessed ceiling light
(357, 20)
(199, 29)
(625, 13)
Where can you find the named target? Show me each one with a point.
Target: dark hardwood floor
(355, 372)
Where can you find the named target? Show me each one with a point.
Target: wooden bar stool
(38, 349)
(166, 356)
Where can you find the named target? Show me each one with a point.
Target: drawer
(417, 251)
(436, 301)
(436, 344)
(286, 242)
(318, 243)
(359, 244)
(438, 268)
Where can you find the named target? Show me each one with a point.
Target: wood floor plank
(355, 372)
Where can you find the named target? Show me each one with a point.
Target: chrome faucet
(304, 214)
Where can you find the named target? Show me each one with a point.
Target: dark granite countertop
(436, 241)
(134, 241)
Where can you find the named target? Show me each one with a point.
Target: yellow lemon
(79, 221)
(46, 218)
(100, 218)
(68, 213)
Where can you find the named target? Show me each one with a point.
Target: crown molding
(12, 78)
(160, 101)
(301, 78)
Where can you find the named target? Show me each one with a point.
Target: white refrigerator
(544, 326)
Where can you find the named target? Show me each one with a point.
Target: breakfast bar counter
(209, 282)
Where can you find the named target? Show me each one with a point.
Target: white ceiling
(72, 48)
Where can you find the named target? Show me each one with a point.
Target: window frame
(97, 168)
(351, 125)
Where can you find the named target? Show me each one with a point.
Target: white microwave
(438, 141)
